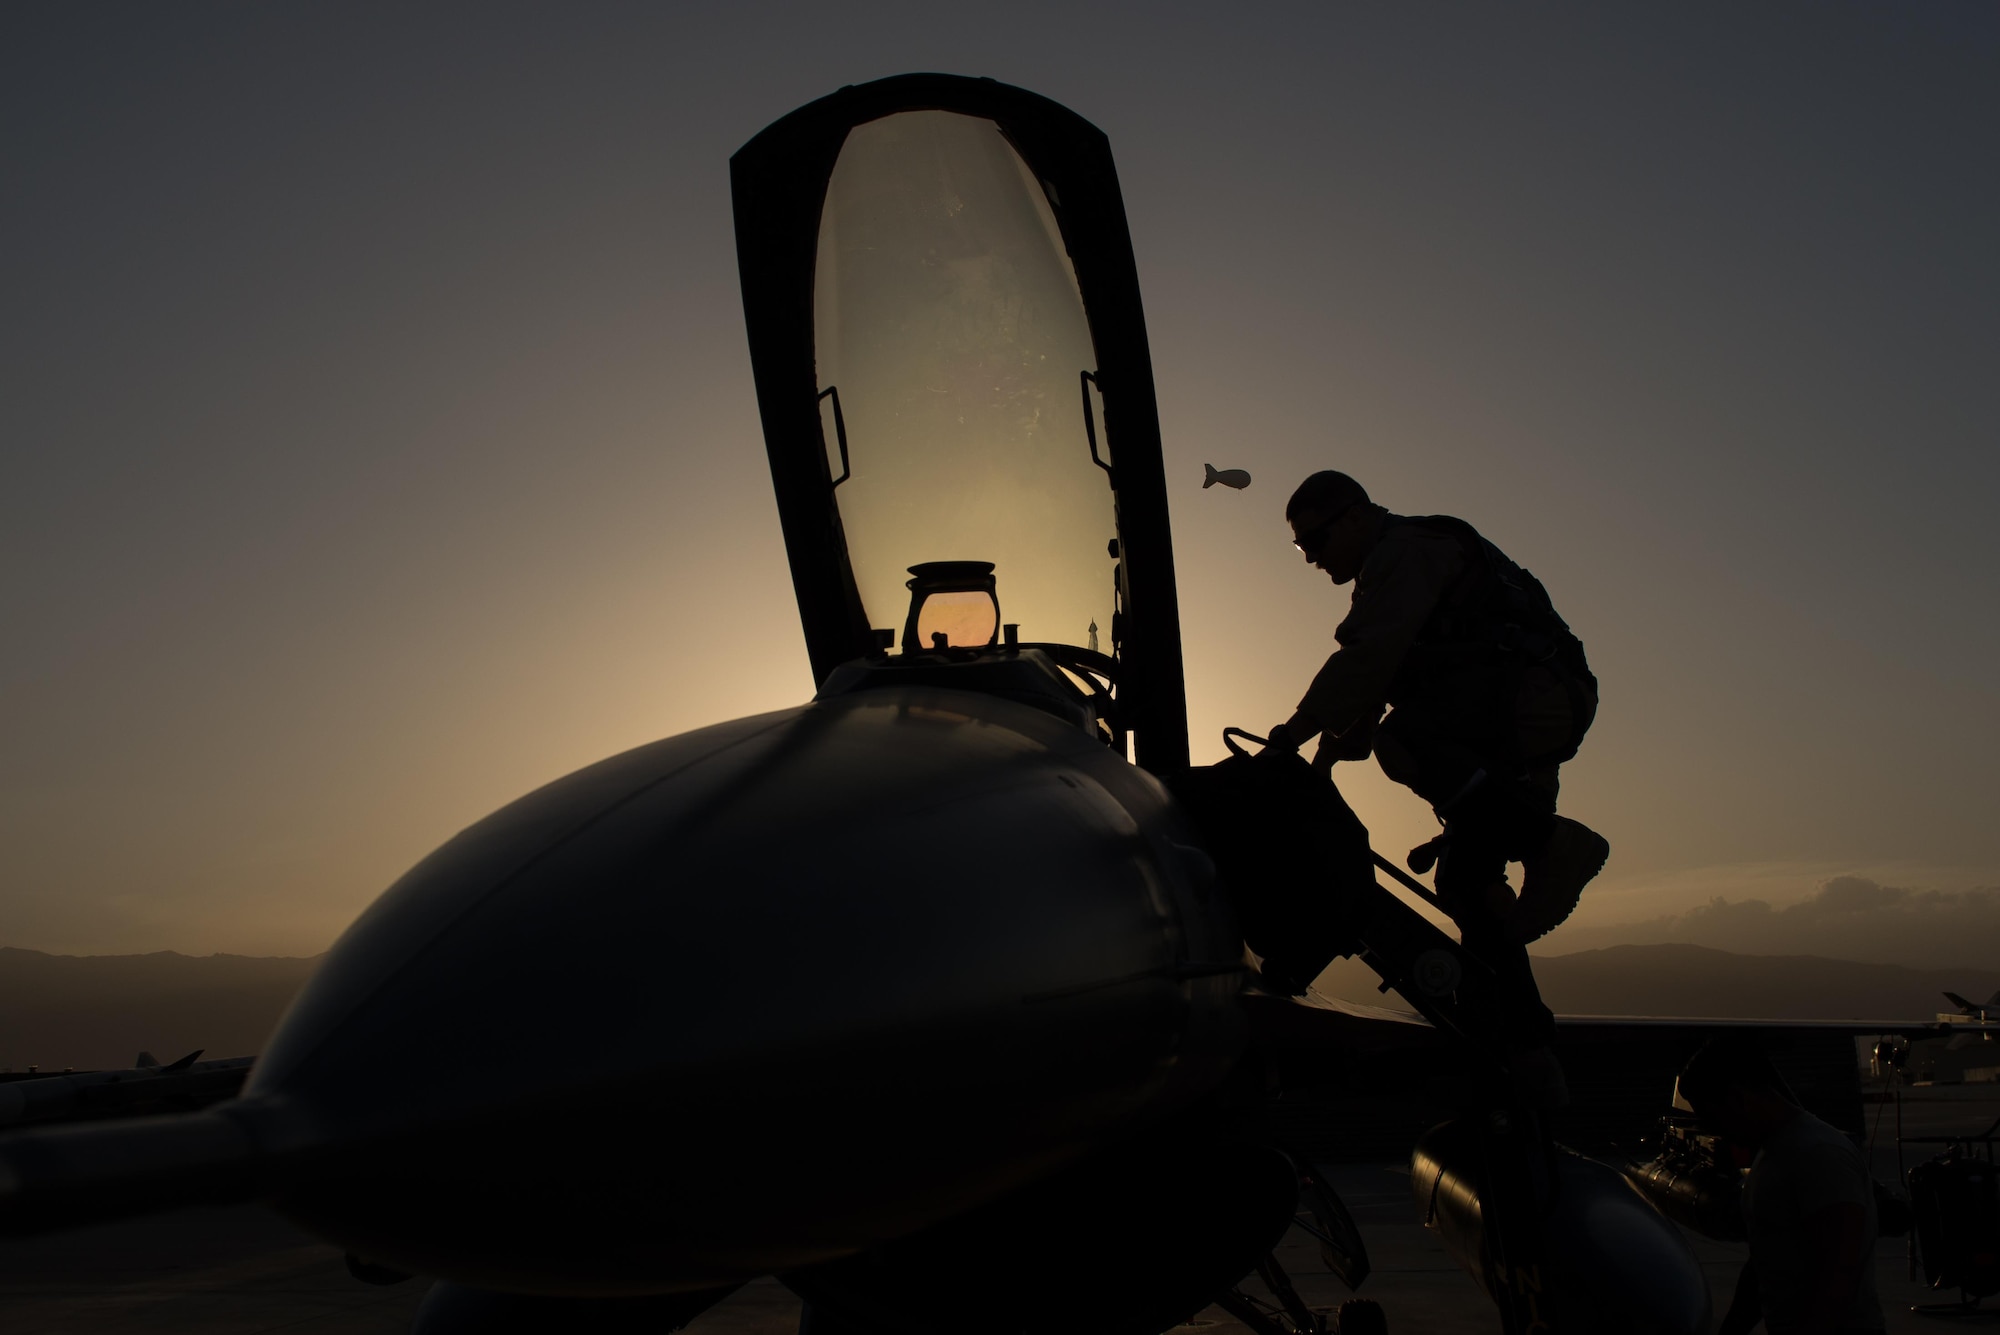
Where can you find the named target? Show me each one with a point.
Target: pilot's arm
(1398, 588)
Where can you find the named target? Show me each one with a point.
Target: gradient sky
(377, 439)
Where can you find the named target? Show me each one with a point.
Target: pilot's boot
(1555, 878)
(1472, 887)
(1425, 855)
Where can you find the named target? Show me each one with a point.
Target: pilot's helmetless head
(1722, 1080)
(1329, 516)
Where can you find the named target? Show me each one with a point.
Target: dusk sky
(377, 436)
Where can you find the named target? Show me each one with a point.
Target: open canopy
(952, 368)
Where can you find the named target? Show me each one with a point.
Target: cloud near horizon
(1847, 917)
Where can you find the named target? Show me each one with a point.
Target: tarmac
(244, 1270)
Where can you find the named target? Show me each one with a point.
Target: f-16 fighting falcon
(929, 989)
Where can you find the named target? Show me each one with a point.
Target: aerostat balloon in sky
(1228, 477)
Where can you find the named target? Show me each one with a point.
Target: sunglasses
(1313, 541)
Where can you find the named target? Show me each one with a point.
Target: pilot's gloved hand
(1323, 757)
(1293, 733)
(1356, 742)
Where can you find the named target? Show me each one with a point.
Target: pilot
(1487, 693)
(1808, 1200)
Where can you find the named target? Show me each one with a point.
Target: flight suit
(1487, 693)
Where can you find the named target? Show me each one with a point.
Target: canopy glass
(951, 348)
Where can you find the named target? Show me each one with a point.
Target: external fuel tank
(1614, 1264)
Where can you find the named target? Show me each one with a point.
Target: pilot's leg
(1492, 819)
(1551, 715)
(1488, 828)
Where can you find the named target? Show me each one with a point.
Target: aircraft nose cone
(747, 998)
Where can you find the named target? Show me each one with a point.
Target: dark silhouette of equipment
(1605, 1263)
(1955, 1200)
(1295, 857)
(1958, 1223)
(1695, 1179)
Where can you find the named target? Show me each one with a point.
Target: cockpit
(950, 340)
(955, 378)
(954, 497)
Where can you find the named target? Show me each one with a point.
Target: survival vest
(1494, 622)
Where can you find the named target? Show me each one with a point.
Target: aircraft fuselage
(755, 996)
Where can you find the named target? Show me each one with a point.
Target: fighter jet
(929, 987)
(1982, 1012)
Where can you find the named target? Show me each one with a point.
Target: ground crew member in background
(1808, 1200)
(1487, 693)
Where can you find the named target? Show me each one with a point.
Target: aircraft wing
(1361, 1080)
(87, 1095)
(1333, 1019)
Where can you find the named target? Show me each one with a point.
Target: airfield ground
(244, 1271)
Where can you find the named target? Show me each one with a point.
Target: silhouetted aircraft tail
(148, 1062)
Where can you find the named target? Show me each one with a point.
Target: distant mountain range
(1698, 980)
(94, 1011)
(100, 1011)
